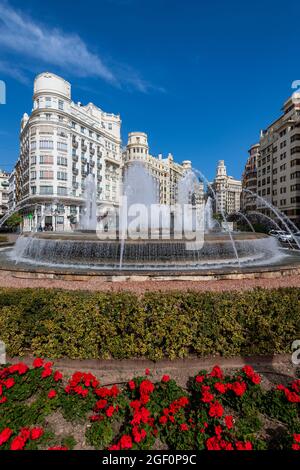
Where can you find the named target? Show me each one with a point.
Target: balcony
(92, 163)
(75, 144)
(75, 158)
(99, 166)
(92, 151)
(83, 148)
(75, 170)
(75, 185)
(83, 160)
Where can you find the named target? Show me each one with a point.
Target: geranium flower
(184, 427)
(52, 394)
(216, 410)
(36, 433)
(126, 442)
(18, 443)
(38, 362)
(5, 435)
(165, 378)
(239, 388)
(57, 376)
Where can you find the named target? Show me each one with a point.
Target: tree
(14, 221)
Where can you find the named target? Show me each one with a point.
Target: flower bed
(217, 411)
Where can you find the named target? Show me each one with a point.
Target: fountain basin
(83, 251)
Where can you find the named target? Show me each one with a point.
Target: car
(276, 233)
(285, 237)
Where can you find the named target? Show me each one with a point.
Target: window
(46, 144)
(62, 176)
(90, 133)
(48, 116)
(33, 189)
(82, 129)
(33, 160)
(46, 159)
(46, 174)
(63, 146)
(33, 145)
(62, 191)
(62, 161)
(295, 187)
(46, 189)
(48, 102)
(61, 105)
(60, 219)
(110, 126)
(295, 150)
(33, 175)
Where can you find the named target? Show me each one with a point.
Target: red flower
(165, 378)
(114, 447)
(221, 388)
(292, 397)
(131, 385)
(57, 376)
(21, 368)
(38, 362)
(101, 404)
(239, 388)
(3, 400)
(126, 442)
(184, 427)
(52, 394)
(5, 435)
(217, 372)
(163, 420)
(36, 433)
(147, 371)
(295, 447)
(25, 433)
(228, 422)
(18, 443)
(110, 411)
(10, 382)
(46, 373)
(216, 410)
(146, 387)
(243, 445)
(213, 443)
(248, 371)
(199, 379)
(296, 437)
(207, 397)
(256, 379)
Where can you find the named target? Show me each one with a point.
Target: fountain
(150, 252)
(211, 224)
(89, 217)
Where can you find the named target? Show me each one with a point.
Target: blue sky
(201, 78)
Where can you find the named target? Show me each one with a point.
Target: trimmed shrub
(84, 325)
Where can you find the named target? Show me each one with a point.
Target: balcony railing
(75, 144)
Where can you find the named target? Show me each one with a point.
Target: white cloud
(40, 44)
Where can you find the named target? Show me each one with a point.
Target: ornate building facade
(61, 142)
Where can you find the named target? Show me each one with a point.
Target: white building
(4, 184)
(61, 142)
(165, 171)
(227, 190)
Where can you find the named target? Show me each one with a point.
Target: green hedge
(83, 325)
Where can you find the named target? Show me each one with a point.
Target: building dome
(50, 83)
